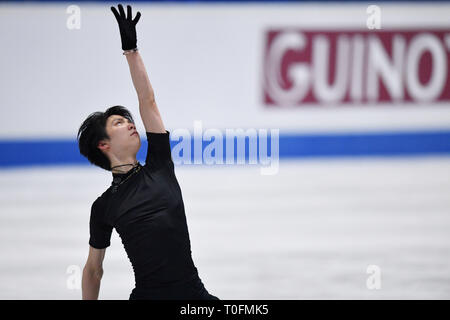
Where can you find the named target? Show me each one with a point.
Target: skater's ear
(103, 145)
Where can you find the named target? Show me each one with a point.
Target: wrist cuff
(125, 52)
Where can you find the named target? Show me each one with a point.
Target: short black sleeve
(100, 231)
(158, 151)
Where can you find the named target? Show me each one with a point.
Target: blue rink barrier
(20, 153)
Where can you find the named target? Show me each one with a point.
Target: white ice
(308, 232)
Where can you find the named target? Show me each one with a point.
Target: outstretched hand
(127, 27)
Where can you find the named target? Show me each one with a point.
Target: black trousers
(192, 290)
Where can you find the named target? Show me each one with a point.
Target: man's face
(124, 141)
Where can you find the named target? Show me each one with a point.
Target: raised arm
(147, 104)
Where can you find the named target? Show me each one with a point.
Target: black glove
(127, 27)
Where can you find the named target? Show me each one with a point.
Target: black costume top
(147, 212)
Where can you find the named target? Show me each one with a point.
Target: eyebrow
(115, 119)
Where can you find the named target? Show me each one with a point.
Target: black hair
(93, 130)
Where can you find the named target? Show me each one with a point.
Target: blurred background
(359, 207)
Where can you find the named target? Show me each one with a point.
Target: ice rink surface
(308, 232)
